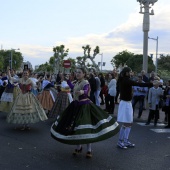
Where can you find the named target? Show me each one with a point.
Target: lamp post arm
(156, 55)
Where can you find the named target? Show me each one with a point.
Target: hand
(80, 92)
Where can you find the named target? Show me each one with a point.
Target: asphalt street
(34, 149)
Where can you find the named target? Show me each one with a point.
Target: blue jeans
(96, 94)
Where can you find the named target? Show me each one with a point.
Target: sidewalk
(144, 116)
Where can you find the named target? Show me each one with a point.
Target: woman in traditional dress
(10, 93)
(82, 122)
(48, 95)
(26, 108)
(64, 98)
(34, 79)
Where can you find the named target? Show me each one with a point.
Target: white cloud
(128, 36)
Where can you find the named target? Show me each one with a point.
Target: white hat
(64, 84)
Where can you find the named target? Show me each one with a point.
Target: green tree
(59, 54)
(121, 58)
(17, 59)
(134, 61)
(1, 62)
(163, 66)
(45, 68)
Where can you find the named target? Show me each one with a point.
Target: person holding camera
(139, 94)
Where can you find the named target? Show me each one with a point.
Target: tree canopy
(163, 66)
(5, 59)
(134, 61)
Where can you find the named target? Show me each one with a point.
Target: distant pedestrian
(98, 89)
(102, 80)
(111, 94)
(139, 94)
(92, 82)
(167, 103)
(155, 93)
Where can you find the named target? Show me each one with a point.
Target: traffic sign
(67, 64)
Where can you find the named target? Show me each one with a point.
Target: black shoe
(168, 126)
(77, 151)
(102, 103)
(147, 123)
(89, 154)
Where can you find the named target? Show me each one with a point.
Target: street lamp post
(12, 55)
(156, 62)
(146, 5)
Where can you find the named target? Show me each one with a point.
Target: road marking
(161, 130)
(151, 124)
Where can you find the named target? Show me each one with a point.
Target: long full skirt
(8, 97)
(47, 98)
(26, 109)
(82, 124)
(61, 103)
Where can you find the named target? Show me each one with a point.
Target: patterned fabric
(79, 86)
(60, 104)
(8, 99)
(83, 123)
(26, 109)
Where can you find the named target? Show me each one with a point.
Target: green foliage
(45, 68)
(121, 58)
(163, 67)
(134, 61)
(1, 62)
(164, 62)
(60, 52)
(5, 58)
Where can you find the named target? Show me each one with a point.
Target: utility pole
(146, 5)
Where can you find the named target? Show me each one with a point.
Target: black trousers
(110, 104)
(135, 100)
(167, 111)
(101, 96)
(153, 114)
(117, 95)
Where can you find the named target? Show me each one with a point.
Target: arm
(134, 83)
(149, 96)
(85, 90)
(70, 84)
(8, 73)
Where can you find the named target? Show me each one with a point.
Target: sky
(36, 26)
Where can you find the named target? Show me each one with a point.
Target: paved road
(36, 150)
